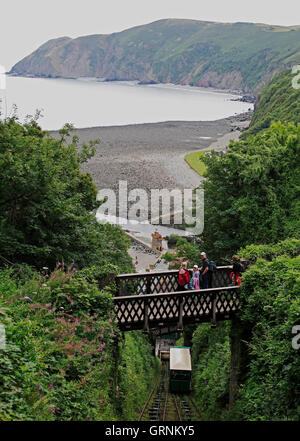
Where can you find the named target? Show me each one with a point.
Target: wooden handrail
(176, 293)
(162, 273)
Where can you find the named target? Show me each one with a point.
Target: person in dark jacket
(183, 277)
(237, 269)
(204, 270)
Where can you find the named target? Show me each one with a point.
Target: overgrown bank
(252, 202)
(64, 357)
(268, 381)
(279, 101)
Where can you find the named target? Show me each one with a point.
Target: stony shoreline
(151, 156)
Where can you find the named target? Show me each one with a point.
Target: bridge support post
(213, 320)
(146, 316)
(148, 284)
(180, 316)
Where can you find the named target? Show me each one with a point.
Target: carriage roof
(180, 359)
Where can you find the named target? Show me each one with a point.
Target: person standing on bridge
(238, 268)
(195, 278)
(183, 277)
(204, 270)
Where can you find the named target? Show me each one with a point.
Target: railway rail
(162, 405)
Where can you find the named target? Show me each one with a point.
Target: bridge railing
(176, 308)
(164, 281)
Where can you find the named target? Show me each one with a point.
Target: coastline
(151, 155)
(239, 92)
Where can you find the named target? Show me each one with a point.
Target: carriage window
(180, 375)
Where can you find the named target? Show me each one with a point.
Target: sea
(92, 102)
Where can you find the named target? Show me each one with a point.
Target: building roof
(180, 359)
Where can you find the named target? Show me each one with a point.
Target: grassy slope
(195, 162)
(179, 51)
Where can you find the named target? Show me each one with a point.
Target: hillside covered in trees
(252, 192)
(252, 208)
(277, 102)
(63, 357)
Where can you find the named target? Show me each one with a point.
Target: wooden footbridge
(150, 301)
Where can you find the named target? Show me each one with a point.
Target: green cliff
(279, 101)
(198, 53)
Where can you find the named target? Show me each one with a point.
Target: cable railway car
(180, 369)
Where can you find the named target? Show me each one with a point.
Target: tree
(252, 192)
(47, 203)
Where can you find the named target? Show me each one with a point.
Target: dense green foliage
(252, 192)
(211, 364)
(64, 359)
(47, 202)
(252, 199)
(225, 55)
(279, 101)
(137, 372)
(251, 195)
(185, 251)
(270, 296)
(251, 253)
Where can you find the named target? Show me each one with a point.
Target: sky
(25, 25)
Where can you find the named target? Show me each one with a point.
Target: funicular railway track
(162, 405)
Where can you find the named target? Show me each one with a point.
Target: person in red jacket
(183, 278)
(238, 268)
